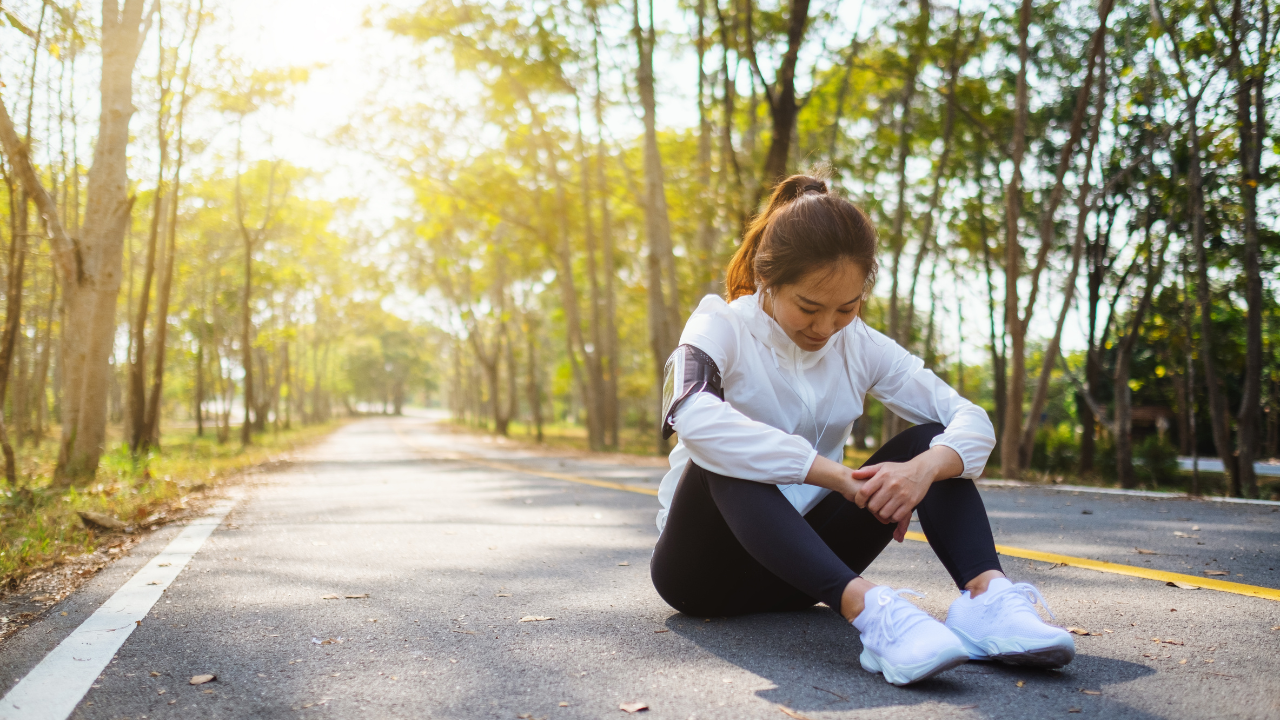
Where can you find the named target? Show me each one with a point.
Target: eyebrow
(806, 300)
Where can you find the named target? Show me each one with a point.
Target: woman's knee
(908, 444)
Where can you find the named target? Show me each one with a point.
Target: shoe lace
(900, 616)
(1019, 596)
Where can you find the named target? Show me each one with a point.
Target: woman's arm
(726, 442)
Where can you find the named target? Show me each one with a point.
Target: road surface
(453, 553)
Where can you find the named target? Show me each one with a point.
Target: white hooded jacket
(783, 405)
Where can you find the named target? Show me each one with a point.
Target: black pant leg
(954, 520)
(700, 568)
(952, 516)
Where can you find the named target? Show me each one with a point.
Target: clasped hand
(890, 491)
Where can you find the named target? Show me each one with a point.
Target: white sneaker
(1002, 624)
(902, 641)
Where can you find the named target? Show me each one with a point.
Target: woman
(758, 514)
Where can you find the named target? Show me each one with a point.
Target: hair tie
(819, 187)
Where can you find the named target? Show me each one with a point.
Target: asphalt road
(453, 554)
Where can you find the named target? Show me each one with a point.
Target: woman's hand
(891, 491)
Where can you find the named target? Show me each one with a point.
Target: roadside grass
(632, 441)
(39, 524)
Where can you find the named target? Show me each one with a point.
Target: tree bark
(611, 408)
(1251, 131)
(781, 98)
(91, 266)
(1011, 434)
(664, 312)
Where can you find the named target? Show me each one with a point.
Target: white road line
(53, 689)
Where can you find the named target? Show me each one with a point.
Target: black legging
(735, 546)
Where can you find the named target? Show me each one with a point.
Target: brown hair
(803, 227)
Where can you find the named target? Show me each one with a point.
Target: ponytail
(803, 227)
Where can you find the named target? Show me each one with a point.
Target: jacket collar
(767, 331)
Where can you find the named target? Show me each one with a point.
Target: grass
(39, 524)
(632, 441)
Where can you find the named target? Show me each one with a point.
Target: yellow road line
(1099, 565)
(1131, 570)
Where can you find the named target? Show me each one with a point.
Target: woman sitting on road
(763, 390)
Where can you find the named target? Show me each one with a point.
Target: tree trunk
(783, 107)
(664, 312)
(91, 268)
(1208, 354)
(1011, 435)
(1083, 208)
(611, 408)
(138, 434)
(897, 238)
(595, 349)
(1251, 132)
(939, 173)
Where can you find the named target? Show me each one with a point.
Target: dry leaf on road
(1073, 710)
(534, 618)
(1080, 631)
(1184, 586)
(503, 595)
(624, 563)
(1021, 683)
(792, 713)
(1216, 572)
(633, 707)
(202, 679)
(356, 597)
(1144, 551)
(330, 597)
(1090, 692)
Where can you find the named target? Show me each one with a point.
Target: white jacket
(784, 405)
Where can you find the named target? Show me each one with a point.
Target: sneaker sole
(1049, 656)
(901, 676)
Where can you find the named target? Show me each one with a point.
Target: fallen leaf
(356, 597)
(1209, 660)
(792, 713)
(1078, 631)
(1090, 692)
(1195, 527)
(1021, 683)
(98, 521)
(155, 674)
(967, 707)
(1276, 627)
(664, 630)
(1179, 533)
(534, 618)
(1086, 512)
(1073, 710)
(633, 707)
(202, 679)
(164, 564)
(465, 632)
(624, 563)
(453, 661)
(1105, 630)
(1183, 661)
(160, 691)
(50, 598)
(330, 597)
(1184, 586)
(503, 595)
(1144, 551)
(1216, 572)
(564, 704)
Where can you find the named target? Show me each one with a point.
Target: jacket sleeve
(918, 396)
(726, 442)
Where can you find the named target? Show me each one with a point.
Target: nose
(824, 325)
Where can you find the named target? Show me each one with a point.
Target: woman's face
(819, 305)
